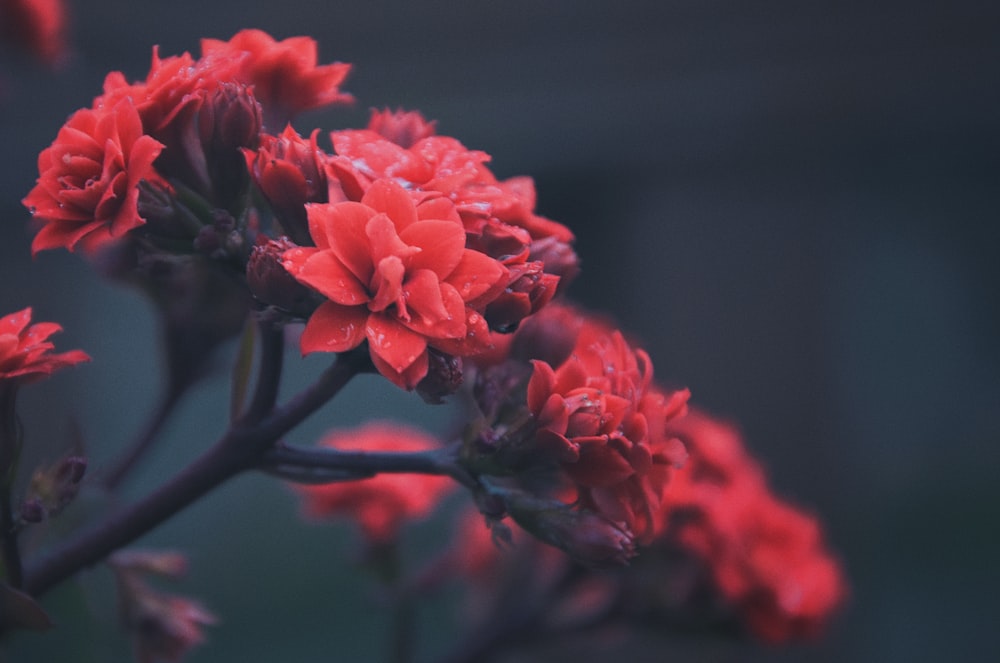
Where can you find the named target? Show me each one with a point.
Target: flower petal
(334, 328)
(393, 343)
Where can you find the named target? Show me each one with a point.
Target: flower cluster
(766, 557)
(399, 249)
(185, 122)
(570, 393)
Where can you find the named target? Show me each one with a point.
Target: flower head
(398, 275)
(766, 557)
(284, 74)
(599, 417)
(382, 503)
(88, 187)
(25, 351)
(498, 216)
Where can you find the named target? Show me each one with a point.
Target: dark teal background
(793, 204)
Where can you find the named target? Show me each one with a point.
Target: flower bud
(584, 535)
(559, 259)
(32, 511)
(444, 377)
(289, 171)
(271, 284)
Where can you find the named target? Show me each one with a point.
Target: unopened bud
(32, 511)
(584, 535)
(271, 284)
(71, 469)
(559, 258)
(444, 377)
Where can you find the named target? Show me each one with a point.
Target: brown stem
(239, 449)
(312, 465)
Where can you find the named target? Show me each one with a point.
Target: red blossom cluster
(401, 247)
(381, 504)
(165, 126)
(599, 415)
(766, 557)
(398, 275)
(25, 351)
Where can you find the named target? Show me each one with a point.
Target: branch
(240, 448)
(313, 465)
(269, 377)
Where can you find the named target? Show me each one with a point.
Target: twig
(313, 461)
(240, 448)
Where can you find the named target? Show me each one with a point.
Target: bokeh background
(793, 204)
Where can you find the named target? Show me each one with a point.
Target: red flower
(444, 165)
(384, 502)
(398, 275)
(88, 186)
(498, 216)
(765, 556)
(284, 74)
(600, 419)
(39, 25)
(25, 351)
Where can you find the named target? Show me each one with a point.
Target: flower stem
(314, 465)
(10, 450)
(239, 449)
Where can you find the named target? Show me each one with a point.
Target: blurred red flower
(767, 558)
(38, 25)
(398, 275)
(25, 351)
(88, 187)
(384, 502)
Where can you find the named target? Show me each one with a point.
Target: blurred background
(793, 205)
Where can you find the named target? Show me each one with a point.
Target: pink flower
(25, 352)
(88, 186)
(766, 557)
(383, 503)
(398, 275)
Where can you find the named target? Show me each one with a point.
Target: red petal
(478, 277)
(334, 328)
(331, 278)
(393, 343)
(392, 200)
(441, 244)
(541, 384)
